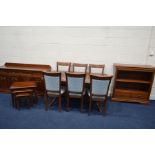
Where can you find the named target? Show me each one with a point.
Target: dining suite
(75, 80)
(13, 72)
(28, 80)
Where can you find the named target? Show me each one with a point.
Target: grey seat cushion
(55, 93)
(77, 94)
(95, 97)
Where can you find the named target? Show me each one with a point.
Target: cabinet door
(4, 84)
(12, 78)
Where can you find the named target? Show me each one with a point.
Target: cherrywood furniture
(53, 88)
(21, 90)
(23, 85)
(75, 87)
(77, 67)
(12, 72)
(99, 87)
(96, 68)
(63, 66)
(17, 96)
(133, 83)
(87, 77)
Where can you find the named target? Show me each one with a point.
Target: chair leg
(67, 103)
(100, 106)
(46, 101)
(105, 106)
(81, 108)
(59, 103)
(90, 104)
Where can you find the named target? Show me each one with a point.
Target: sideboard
(11, 72)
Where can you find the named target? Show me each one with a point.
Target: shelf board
(131, 91)
(133, 81)
(122, 99)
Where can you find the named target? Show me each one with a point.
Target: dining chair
(63, 66)
(53, 89)
(75, 87)
(77, 67)
(99, 87)
(96, 68)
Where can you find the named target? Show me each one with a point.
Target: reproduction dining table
(87, 78)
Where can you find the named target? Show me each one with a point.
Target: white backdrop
(105, 45)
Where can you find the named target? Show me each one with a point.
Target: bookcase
(132, 83)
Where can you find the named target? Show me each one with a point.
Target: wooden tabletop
(23, 85)
(32, 84)
(87, 78)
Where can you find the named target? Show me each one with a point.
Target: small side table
(23, 89)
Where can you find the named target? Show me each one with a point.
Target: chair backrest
(63, 66)
(52, 81)
(96, 68)
(80, 67)
(75, 82)
(99, 85)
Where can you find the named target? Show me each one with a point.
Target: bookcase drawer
(123, 94)
(131, 94)
(140, 95)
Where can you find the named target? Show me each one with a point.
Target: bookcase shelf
(132, 83)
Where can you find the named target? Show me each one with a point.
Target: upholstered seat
(53, 88)
(97, 97)
(99, 87)
(62, 91)
(75, 87)
(77, 95)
